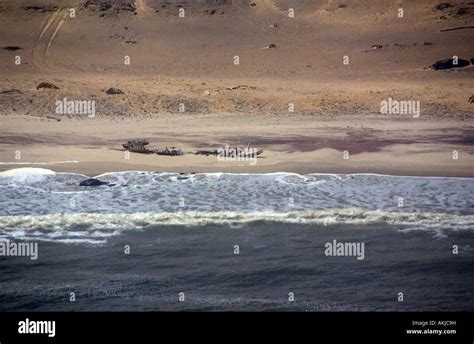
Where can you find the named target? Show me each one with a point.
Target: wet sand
(300, 144)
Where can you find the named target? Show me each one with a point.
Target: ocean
(237, 242)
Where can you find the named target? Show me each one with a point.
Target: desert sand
(307, 89)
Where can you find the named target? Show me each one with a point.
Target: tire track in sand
(48, 33)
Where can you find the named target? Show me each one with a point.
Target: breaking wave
(95, 229)
(40, 204)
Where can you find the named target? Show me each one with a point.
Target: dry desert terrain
(303, 80)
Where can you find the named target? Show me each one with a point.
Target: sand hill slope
(281, 58)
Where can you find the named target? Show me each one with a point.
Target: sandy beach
(301, 144)
(307, 89)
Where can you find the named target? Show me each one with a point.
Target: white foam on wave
(334, 175)
(122, 173)
(218, 174)
(99, 227)
(387, 175)
(27, 174)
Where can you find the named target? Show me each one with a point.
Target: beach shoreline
(298, 143)
(93, 169)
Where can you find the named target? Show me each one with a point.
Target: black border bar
(230, 326)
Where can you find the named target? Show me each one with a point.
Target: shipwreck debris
(137, 146)
(231, 152)
(172, 151)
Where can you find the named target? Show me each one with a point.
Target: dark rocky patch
(47, 85)
(172, 104)
(442, 6)
(192, 7)
(114, 90)
(458, 10)
(449, 63)
(117, 36)
(93, 182)
(462, 11)
(12, 48)
(109, 6)
(41, 9)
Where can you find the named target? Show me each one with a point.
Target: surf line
(39, 163)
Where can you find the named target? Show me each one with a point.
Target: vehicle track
(49, 31)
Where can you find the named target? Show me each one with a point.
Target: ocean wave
(27, 174)
(283, 177)
(97, 228)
